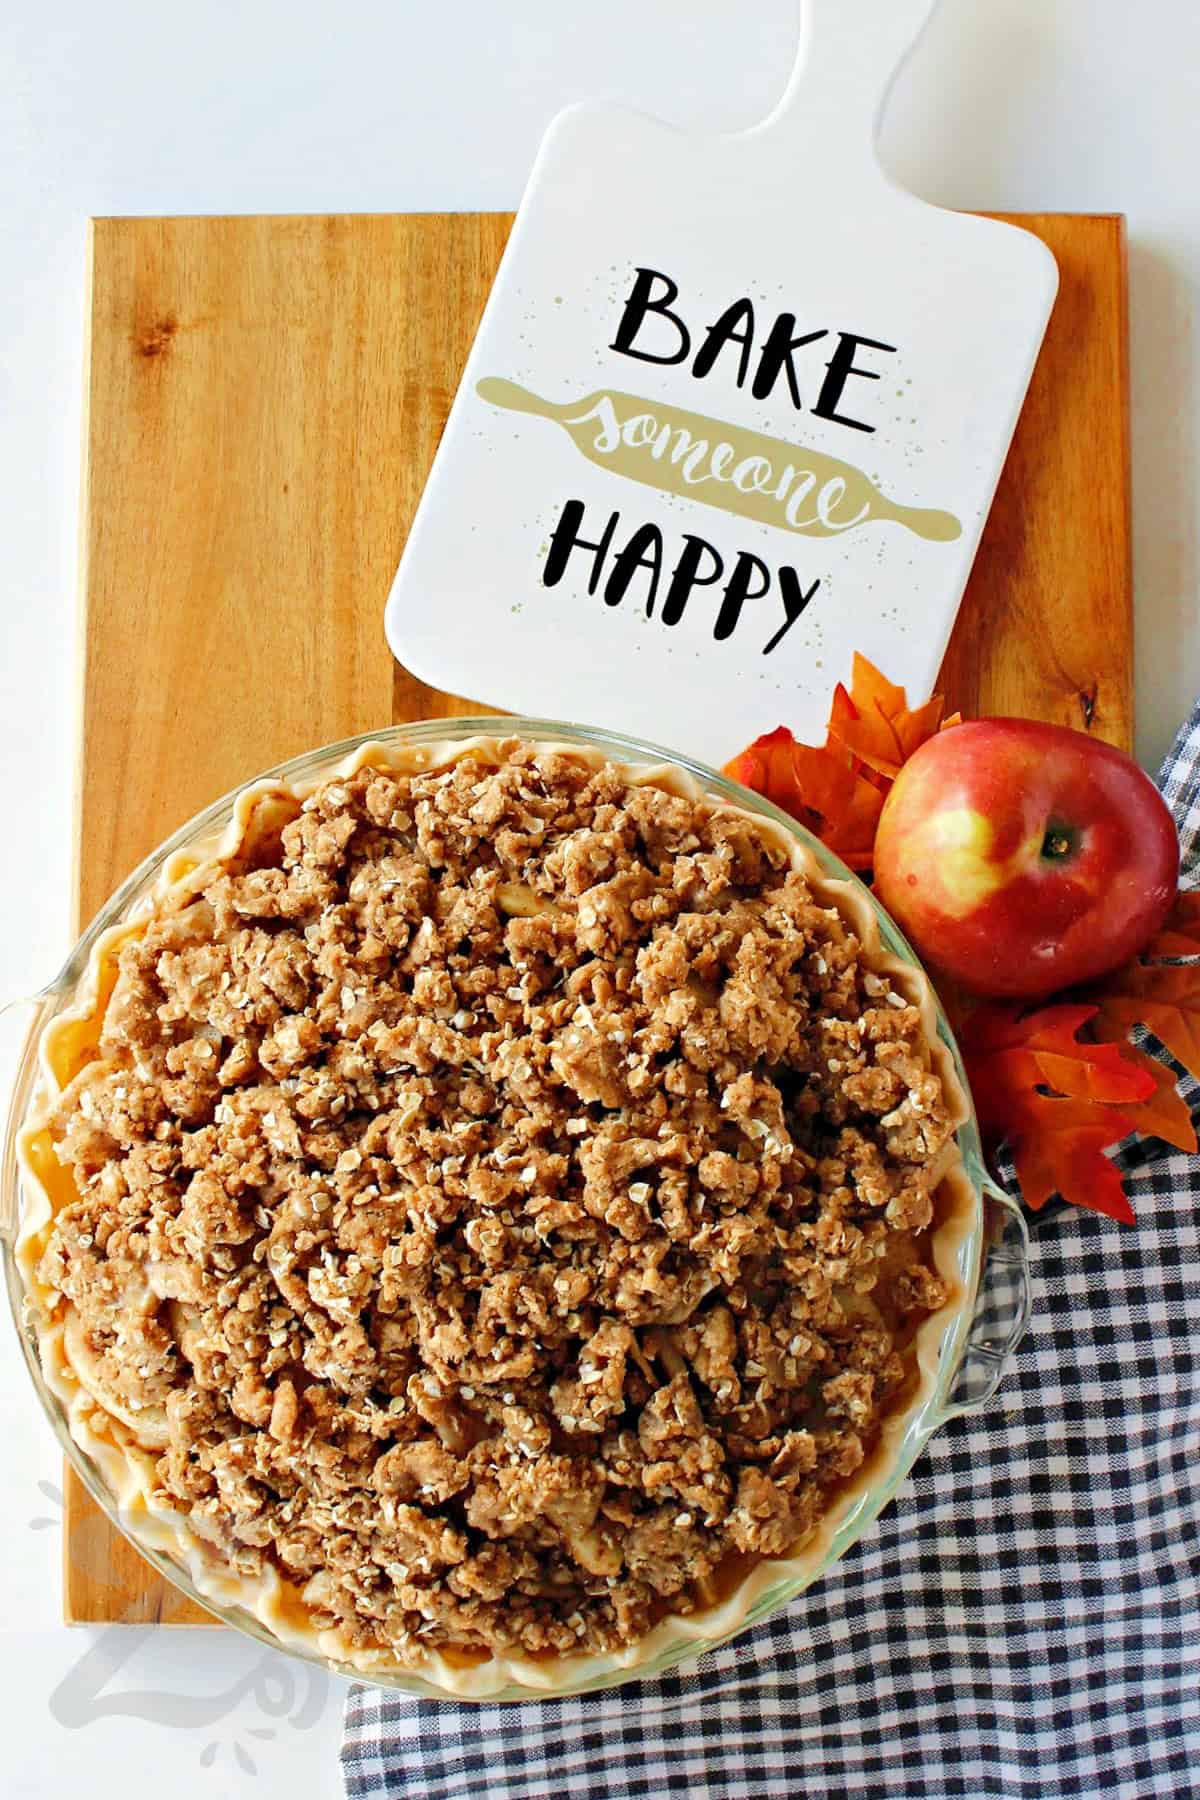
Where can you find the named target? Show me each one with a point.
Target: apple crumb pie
(495, 1198)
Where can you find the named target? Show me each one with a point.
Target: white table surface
(383, 105)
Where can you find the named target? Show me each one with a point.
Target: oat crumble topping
(504, 1202)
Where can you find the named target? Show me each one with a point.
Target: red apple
(1021, 858)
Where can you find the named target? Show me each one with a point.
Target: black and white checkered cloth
(1023, 1623)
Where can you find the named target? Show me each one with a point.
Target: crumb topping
(504, 1202)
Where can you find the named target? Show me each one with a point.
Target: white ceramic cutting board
(737, 408)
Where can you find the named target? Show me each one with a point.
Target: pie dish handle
(1002, 1306)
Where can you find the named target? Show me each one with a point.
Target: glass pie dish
(960, 1350)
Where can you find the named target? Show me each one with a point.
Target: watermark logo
(139, 1671)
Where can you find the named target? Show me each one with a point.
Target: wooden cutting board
(264, 397)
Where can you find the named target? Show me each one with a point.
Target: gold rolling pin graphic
(744, 472)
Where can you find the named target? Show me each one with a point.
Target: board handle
(849, 56)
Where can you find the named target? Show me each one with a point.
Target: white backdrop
(387, 105)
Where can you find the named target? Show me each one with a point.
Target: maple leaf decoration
(873, 722)
(819, 787)
(1060, 1102)
(837, 789)
(1161, 994)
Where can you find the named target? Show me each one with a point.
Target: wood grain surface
(265, 396)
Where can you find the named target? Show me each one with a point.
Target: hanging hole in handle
(1002, 1306)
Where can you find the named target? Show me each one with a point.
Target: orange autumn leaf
(837, 789)
(1064, 1155)
(1020, 1053)
(766, 766)
(848, 806)
(1163, 996)
(769, 766)
(873, 721)
(1180, 934)
(1165, 1113)
(1059, 1103)
(819, 787)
